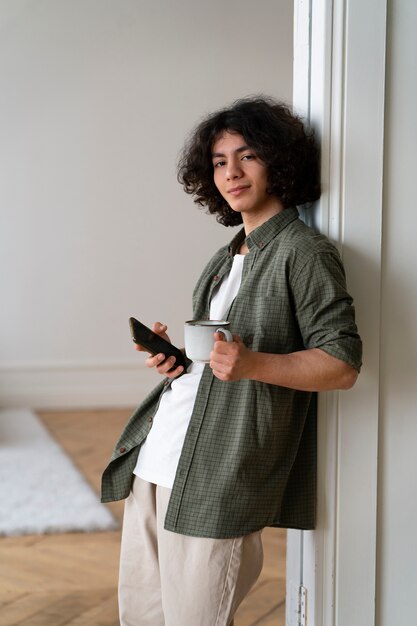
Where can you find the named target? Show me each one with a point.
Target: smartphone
(155, 344)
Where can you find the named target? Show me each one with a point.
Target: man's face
(241, 177)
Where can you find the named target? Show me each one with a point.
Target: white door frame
(339, 79)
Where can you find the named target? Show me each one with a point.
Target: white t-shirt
(159, 455)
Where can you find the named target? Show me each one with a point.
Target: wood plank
(261, 602)
(67, 606)
(276, 618)
(24, 607)
(104, 614)
(8, 596)
(62, 561)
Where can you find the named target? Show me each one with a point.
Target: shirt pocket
(266, 323)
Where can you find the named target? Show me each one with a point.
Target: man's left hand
(230, 361)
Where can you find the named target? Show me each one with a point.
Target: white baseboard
(75, 386)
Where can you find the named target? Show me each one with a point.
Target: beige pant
(167, 579)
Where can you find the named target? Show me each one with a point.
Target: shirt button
(216, 278)
(261, 244)
(122, 450)
(150, 418)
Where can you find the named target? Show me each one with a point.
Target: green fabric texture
(249, 456)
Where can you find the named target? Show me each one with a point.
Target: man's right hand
(162, 366)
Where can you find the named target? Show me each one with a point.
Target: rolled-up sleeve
(324, 309)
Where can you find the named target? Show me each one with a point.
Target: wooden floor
(71, 579)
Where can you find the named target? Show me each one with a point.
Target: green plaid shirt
(249, 455)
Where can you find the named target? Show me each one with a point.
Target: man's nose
(233, 169)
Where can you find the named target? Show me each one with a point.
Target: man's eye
(219, 163)
(248, 157)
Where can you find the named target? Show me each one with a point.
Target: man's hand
(306, 370)
(162, 366)
(230, 361)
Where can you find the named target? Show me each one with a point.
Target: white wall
(397, 497)
(96, 99)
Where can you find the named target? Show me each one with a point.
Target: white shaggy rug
(41, 491)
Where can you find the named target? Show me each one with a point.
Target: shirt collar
(262, 235)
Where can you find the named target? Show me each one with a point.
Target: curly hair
(278, 137)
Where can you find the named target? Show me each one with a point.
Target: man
(219, 452)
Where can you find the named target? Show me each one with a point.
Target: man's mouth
(236, 191)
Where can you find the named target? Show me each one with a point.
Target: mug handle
(226, 333)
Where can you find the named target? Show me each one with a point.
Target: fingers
(176, 372)
(159, 328)
(221, 362)
(164, 366)
(167, 367)
(229, 360)
(155, 360)
(160, 362)
(221, 346)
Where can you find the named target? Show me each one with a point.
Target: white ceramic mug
(199, 337)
